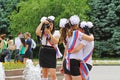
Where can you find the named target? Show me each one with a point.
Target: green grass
(106, 58)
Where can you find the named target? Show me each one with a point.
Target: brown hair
(70, 31)
(63, 32)
(3, 36)
(19, 33)
(28, 34)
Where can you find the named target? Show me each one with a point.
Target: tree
(31, 11)
(6, 7)
(105, 15)
(28, 17)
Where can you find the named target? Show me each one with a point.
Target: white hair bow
(62, 23)
(74, 19)
(89, 24)
(83, 24)
(43, 19)
(51, 17)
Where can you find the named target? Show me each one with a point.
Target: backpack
(33, 45)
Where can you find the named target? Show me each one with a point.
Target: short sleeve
(56, 34)
(84, 42)
(80, 34)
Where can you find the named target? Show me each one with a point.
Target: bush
(105, 15)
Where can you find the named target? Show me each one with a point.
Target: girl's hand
(46, 22)
(47, 31)
(62, 70)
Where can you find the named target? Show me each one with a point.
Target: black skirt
(47, 57)
(74, 67)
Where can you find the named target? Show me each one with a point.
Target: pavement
(105, 73)
(102, 70)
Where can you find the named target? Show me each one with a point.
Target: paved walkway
(103, 70)
(105, 73)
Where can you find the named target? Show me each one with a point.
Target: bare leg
(25, 59)
(44, 72)
(76, 78)
(53, 73)
(67, 77)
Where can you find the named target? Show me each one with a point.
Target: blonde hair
(28, 34)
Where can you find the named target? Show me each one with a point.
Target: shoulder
(29, 40)
(56, 33)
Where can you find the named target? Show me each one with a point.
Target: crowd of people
(77, 38)
(20, 47)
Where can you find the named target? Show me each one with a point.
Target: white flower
(89, 24)
(62, 23)
(74, 19)
(51, 17)
(43, 19)
(83, 24)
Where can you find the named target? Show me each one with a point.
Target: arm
(88, 38)
(26, 47)
(9, 42)
(2, 44)
(65, 52)
(78, 48)
(54, 39)
(38, 30)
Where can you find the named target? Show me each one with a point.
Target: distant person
(10, 48)
(22, 50)
(28, 50)
(3, 47)
(33, 46)
(17, 45)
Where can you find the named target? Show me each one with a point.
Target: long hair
(64, 33)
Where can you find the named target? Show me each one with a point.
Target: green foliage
(28, 18)
(30, 12)
(105, 15)
(6, 7)
(12, 65)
